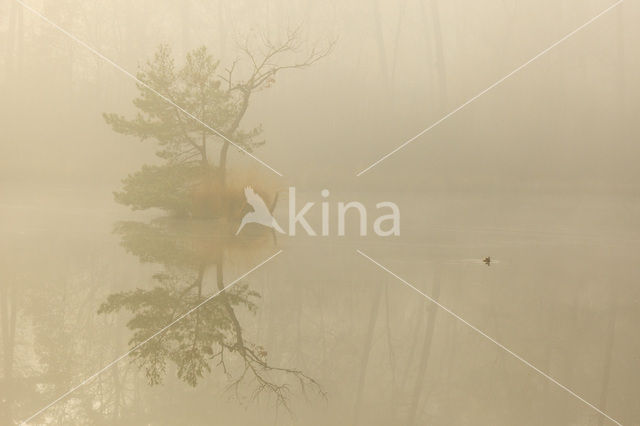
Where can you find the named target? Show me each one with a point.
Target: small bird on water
(487, 260)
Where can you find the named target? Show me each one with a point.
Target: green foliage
(165, 187)
(190, 343)
(153, 243)
(183, 144)
(199, 233)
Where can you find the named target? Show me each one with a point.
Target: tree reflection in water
(212, 336)
(204, 201)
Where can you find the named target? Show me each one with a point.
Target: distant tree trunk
(428, 54)
(8, 320)
(299, 358)
(438, 47)
(185, 7)
(608, 355)
(366, 351)
(551, 319)
(64, 55)
(392, 356)
(413, 338)
(118, 378)
(222, 33)
(426, 352)
(396, 41)
(440, 64)
(9, 42)
(20, 45)
(382, 55)
(570, 354)
(15, 37)
(613, 308)
(451, 359)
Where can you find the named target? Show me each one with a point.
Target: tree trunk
(440, 65)
(382, 56)
(606, 371)
(224, 152)
(413, 338)
(222, 33)
(8, 320)
(11, 41)
(426, 352)
(392, 356)
(239, 343)
(396, 41)
(613, 309)
(185, 24)
(366, 351)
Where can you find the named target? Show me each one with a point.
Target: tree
(190, 184)
(184, 144)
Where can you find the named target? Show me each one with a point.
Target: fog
(130, 132)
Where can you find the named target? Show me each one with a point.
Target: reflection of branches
(258, 366)
(212, 337)
(189, 344)
(255, 361)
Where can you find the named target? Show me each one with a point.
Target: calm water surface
(344, 341)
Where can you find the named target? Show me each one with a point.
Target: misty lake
(348, 342)
(149, 274)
